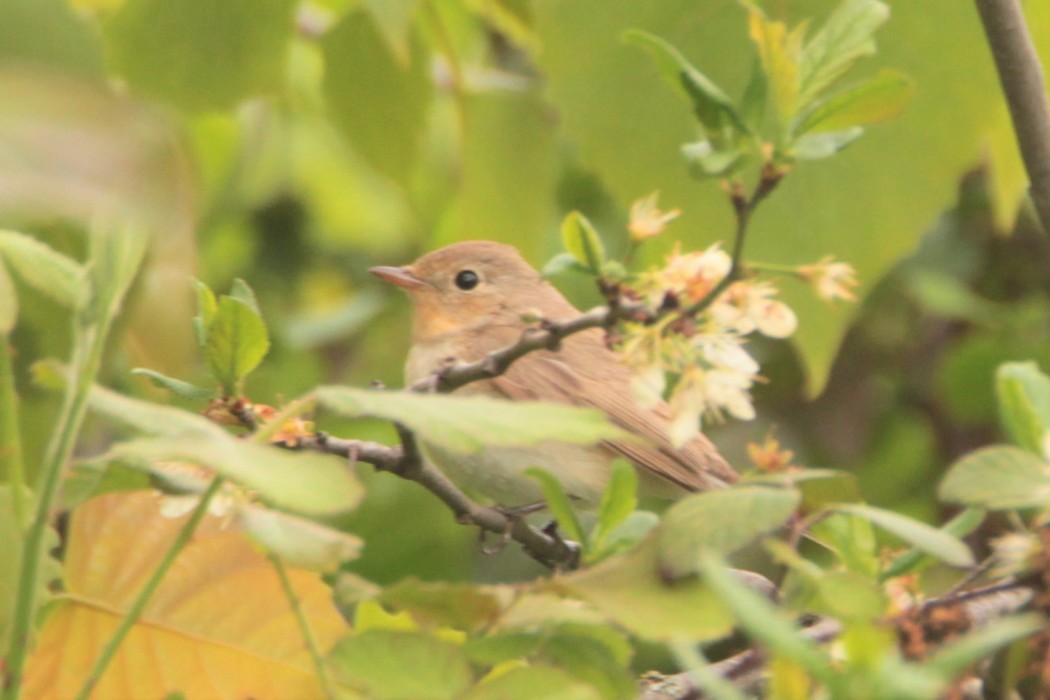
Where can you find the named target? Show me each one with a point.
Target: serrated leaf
(559, 504)
(469, 424)
(582, 241)
(1023, 392)
(1000, 477)
(720, 521)
(877, 99)
(201, 54)
(44, 268)
(375, 662)
(175, 386)
(8, 301)
(237, 342)
(630, 590)
(297, 542)
(711, 104)
(762, 621)
(753, 103)
(939, 543)
(844, 37)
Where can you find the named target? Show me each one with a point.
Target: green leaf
(50, 34)
(877, 99)
(207, 307)
(711, 105)
(461, 605)
(939, 543)
(631, 531)
(116, 253)
(531, 682)
(1024, 404)
(845, 37)
(559, 504)
(8, 301)
(823, 144)
(85, 481)
(763, 621)
(619, 500)
(44, 269)
(753, 103)
(201, 54)
(561, 263)
(175, 386)
(1001, 477)
(379, 102)
(472, 423)
(392, 664)
(298, 542)
(964, 523)
(779, 53)
(704, 160)
(394, 18)
(630, 590)
(237, 343)
(959, 654)
(582, 241)
(240, 291)
(720, 521)
(301, 482)
(899, 166)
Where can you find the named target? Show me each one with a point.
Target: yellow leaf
(219, 625)
(779, 52)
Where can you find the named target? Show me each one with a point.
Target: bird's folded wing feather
(584, 373)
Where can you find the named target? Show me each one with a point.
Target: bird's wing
(585, 373)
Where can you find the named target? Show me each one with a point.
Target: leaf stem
(12, 468)
(144, 595)
(87, 357)
(304, 626)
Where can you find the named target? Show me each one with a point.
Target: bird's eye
(467, 280)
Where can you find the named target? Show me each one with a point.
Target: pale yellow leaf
(219, 626)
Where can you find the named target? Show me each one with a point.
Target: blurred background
(295, 144)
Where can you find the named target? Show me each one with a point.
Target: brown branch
(405, 461)
(1021, 76)
(745, 669)
(546, 336)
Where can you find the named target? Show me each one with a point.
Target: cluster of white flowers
(715, 372)
(706, 353)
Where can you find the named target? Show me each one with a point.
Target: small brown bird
(468, 300)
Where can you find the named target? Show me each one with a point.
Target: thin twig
(1021, 76)
(304, 626)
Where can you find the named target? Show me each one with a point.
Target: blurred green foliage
(295, 144)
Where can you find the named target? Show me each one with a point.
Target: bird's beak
(399, 276)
